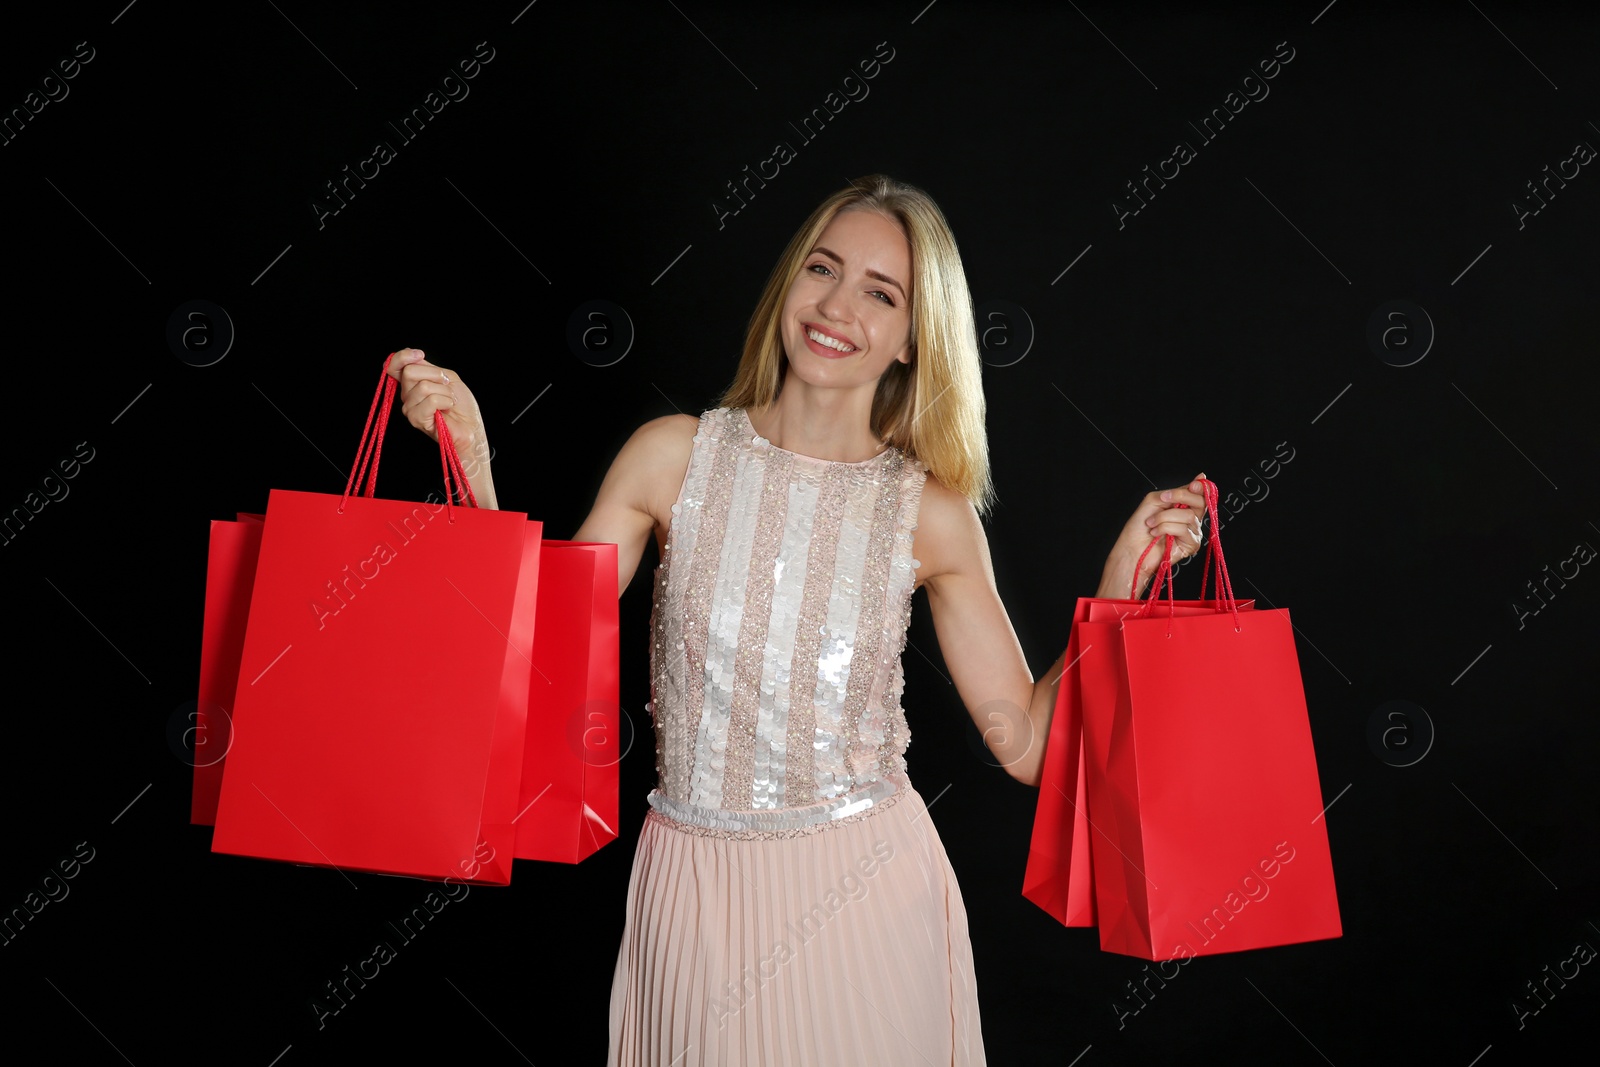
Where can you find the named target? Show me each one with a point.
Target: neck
(831, 424)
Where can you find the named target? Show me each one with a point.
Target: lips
(822, 349)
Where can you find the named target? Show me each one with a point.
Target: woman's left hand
(1157, 516)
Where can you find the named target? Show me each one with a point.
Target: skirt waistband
(776, 822)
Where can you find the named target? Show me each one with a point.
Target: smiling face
(848, 313)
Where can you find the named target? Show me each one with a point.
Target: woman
(790, 902)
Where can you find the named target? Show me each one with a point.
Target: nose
(835, 306)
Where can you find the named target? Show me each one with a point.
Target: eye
(887, 299)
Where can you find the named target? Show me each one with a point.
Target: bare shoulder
(670, 433)
(636, 495)
(656, 458)
(949, 537)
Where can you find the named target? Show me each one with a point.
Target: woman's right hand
(425, 389)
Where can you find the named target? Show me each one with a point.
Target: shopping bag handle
(1213, 494)
(371, 448)
(1226, 601)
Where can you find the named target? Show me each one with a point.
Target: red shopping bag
(1099, 680)
(570, 789)
(1203, 788)
(381, 705)
(1059, 875)
(230, 572)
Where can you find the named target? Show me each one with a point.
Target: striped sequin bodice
(780, 613)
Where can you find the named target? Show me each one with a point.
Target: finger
(421, 380)
(403, 358)
(1160, 551)
(1175, 517)
(421, 371)
(1194, 498)
(411, 367)
(425, 398)
(1186, 537)
(1183, 547)
(1192, 495)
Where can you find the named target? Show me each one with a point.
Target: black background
(1229, 316)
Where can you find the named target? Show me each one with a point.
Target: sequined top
(780, 612)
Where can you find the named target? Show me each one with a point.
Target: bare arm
(980, 647)
(636, 497)
(1011, 709)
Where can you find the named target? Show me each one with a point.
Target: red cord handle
(1224, 582)
(1225, 599)
(371, 449)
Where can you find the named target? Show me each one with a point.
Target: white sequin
(808, 563)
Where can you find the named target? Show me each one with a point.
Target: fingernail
(1196, 486)
(414, 357)
(1167, 495)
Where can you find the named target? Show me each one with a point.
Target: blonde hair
(931, 408)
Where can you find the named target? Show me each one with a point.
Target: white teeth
(824, 339)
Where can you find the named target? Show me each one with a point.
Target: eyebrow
(870, 273)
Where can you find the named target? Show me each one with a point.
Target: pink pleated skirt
(843, 947)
